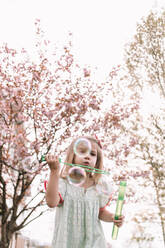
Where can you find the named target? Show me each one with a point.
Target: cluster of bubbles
(77, 175)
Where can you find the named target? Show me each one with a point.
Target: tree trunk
(161, 212)
(6, 236)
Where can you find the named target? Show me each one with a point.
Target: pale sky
(100, 29)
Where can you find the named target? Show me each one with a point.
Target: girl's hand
(119, 222)
(53, 163)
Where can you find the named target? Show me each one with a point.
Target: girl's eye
(93, 154)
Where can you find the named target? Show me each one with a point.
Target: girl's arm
(52, 195)
(106, 216)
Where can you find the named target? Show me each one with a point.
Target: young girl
(79, 209)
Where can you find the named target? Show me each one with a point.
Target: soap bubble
(82, 147)
(76, 176)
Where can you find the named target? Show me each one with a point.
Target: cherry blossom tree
(144, 55)
(145, 66)
(43, 102)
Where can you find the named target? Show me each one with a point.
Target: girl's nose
(87, 157)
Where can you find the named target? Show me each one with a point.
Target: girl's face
(88, 160)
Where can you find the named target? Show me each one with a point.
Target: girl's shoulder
(105, 185)
(105, 179)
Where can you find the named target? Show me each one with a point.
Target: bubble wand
(86, 168)
(119, 207)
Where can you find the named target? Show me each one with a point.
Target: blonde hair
(70, 158)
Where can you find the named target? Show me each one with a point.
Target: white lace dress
(76, 221)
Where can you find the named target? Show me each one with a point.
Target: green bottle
(119, 207)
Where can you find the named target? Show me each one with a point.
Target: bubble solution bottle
(119, 207)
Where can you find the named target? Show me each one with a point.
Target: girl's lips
(86, 163)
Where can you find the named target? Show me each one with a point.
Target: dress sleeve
(62, 191)
(105, 191)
